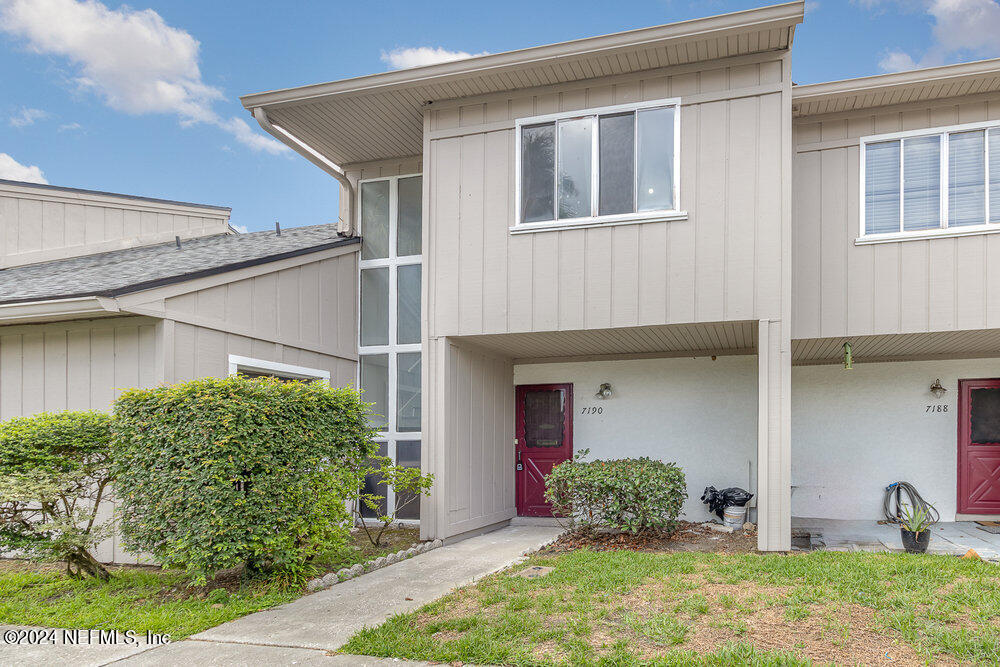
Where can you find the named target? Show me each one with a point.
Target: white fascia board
(57, 309)
(790, 13)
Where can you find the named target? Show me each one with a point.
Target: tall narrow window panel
(930, 182)
(389, 344)
(606, 165)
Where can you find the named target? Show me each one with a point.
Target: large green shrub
(54, 471)
(631, 495)
(215, 473)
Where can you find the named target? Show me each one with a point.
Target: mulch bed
(687, 537)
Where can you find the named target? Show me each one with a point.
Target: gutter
(344, 228)
(58, 309)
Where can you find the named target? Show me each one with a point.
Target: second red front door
(979, 446)
(544, 430)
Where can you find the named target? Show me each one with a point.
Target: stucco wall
(699, 413)
(854, 432)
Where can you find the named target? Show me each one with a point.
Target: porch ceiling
(380, 116)
(720, 338)
(899, 347)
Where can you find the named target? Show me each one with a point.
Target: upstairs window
(926, 183)
(604, 165)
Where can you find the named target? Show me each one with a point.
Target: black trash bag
(718, 501)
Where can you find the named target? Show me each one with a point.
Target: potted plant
(915, 529)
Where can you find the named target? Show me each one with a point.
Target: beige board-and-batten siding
(469, 423)
(43, 224)
(722, 263)
(843, 289)
(726, 261)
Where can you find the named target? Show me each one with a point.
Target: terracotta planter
(915, 543)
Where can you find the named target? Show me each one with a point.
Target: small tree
(215, 473)
(54, 471)
(407, 484)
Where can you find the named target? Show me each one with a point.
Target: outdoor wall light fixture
(604, 391)
(937, 389)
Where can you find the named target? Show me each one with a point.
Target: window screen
(543, 418)
(921, 183)
(882, 187)
(985, 416)
(538, 168)
(966, 184)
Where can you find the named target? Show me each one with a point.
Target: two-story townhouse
(651, 244)
(608, 211)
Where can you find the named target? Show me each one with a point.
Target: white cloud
(12, 170)
(26, 117)
(67, 127)
(131, 58)
(896, 61)
(418, 56)
(962, 29)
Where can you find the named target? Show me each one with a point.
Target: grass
(139, 599)
(624, 608)
(161, 601)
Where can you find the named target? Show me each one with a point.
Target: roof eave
(57, 309)
(789, 13)
(917, 78)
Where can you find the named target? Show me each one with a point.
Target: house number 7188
(936, 408)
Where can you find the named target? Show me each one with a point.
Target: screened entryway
(389, 332)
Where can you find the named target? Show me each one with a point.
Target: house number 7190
(592, 411)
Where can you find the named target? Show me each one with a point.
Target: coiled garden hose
(916, 501)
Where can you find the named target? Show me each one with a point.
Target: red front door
(979, 446)
(544, 429)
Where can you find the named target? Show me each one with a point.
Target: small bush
(215, 473)
(631, 495)
(54, 470)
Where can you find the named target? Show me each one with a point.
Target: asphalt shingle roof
(135, 269)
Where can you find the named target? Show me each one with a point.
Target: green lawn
(626, 608)
(149, 599)
(138, 599)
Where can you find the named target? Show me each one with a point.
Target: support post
(774, 468)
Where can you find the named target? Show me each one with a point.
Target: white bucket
(734, 517)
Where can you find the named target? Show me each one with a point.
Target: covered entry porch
(923, 408)
(711, 397)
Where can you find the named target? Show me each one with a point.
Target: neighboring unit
(94, 300)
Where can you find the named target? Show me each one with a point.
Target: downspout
(344, 227)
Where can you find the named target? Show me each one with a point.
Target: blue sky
(143, 99)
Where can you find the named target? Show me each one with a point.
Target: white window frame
(238, 363)
(676, 213)
(390, 436)
(943, 231)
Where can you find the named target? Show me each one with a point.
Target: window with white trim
(260, 368)
(931, 182)
(389, 323)
(609, 165)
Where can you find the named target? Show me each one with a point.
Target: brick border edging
(343, 574)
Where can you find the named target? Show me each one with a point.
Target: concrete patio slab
(947, 538)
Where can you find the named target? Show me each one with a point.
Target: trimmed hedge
(631, 495)
(54, 468)
(214, 473)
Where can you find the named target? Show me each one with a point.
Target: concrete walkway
(305, 631)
